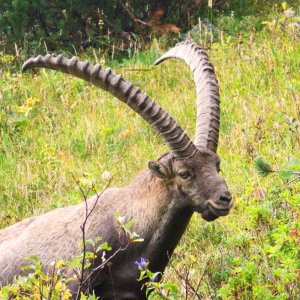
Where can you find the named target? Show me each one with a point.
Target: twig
(111, 26)
(52, 284)
(112, 282)
(188, 284)
(132, 17)
(295, 179)
(200, 280)
(105, 262)
(82, 227)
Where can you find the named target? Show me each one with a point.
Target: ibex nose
(226, 197)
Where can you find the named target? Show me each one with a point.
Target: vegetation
(29, 27)
(54, 128)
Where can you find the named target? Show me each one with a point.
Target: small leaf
(284, 5)
(286, 174)
(91, 255)
(155, 277)
(60, 264)
(266, 23)
(28, 267)
(121, 219)
(294, 165)
(129, 224)
(103, 247)
(297, 199)
(90, 242)
(87, 265)
(137, 240)
(70, 279)
(34, 258)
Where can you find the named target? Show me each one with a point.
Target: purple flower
(142, 264)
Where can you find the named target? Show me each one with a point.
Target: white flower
(106, 176)
(289, 13)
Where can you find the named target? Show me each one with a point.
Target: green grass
(72, 128)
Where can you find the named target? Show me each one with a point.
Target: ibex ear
(159, 169)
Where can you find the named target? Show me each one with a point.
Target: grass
(54, 128)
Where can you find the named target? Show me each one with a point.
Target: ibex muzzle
(161, 198)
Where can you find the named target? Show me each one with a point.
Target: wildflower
(142, 264)
(289, 13)
(126, 133)
(258, 193)
(106, 176)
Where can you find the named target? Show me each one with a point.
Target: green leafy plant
(262, 167)
(288, 21)
(52, 283)
(291, 174)
(155, 290)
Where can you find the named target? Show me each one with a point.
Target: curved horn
(174, 136)
(208, 97)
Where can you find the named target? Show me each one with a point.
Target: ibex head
(191, 169)
(196, 181)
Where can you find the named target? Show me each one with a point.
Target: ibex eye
(184, 174)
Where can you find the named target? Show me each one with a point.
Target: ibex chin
(161, 198)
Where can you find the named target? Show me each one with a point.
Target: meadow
(55, 128)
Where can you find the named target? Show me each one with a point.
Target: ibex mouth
(219, 209)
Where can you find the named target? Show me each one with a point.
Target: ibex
(161, 198)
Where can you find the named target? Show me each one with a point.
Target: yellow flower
(27, 106)
(126, 133)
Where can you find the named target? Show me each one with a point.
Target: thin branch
(132, 17)
(294, 180)
(99, 195)
(200, 280)
(112, 282)
(111, 26)
(52, 284)
(82, 227)
(188, 284)
(186, 280)
(105, 262)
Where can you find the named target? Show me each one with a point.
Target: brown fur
(161, 202)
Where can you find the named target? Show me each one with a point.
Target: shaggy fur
(162, 209)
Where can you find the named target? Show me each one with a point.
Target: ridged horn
(208, 97)
(173, 135)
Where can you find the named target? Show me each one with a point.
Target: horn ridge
(207, 91)
(173, 135)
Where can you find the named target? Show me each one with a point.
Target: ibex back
(161, 198)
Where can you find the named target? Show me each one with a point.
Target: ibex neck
(168, 233)
(164, 221)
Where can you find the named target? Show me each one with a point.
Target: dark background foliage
(31, 26)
